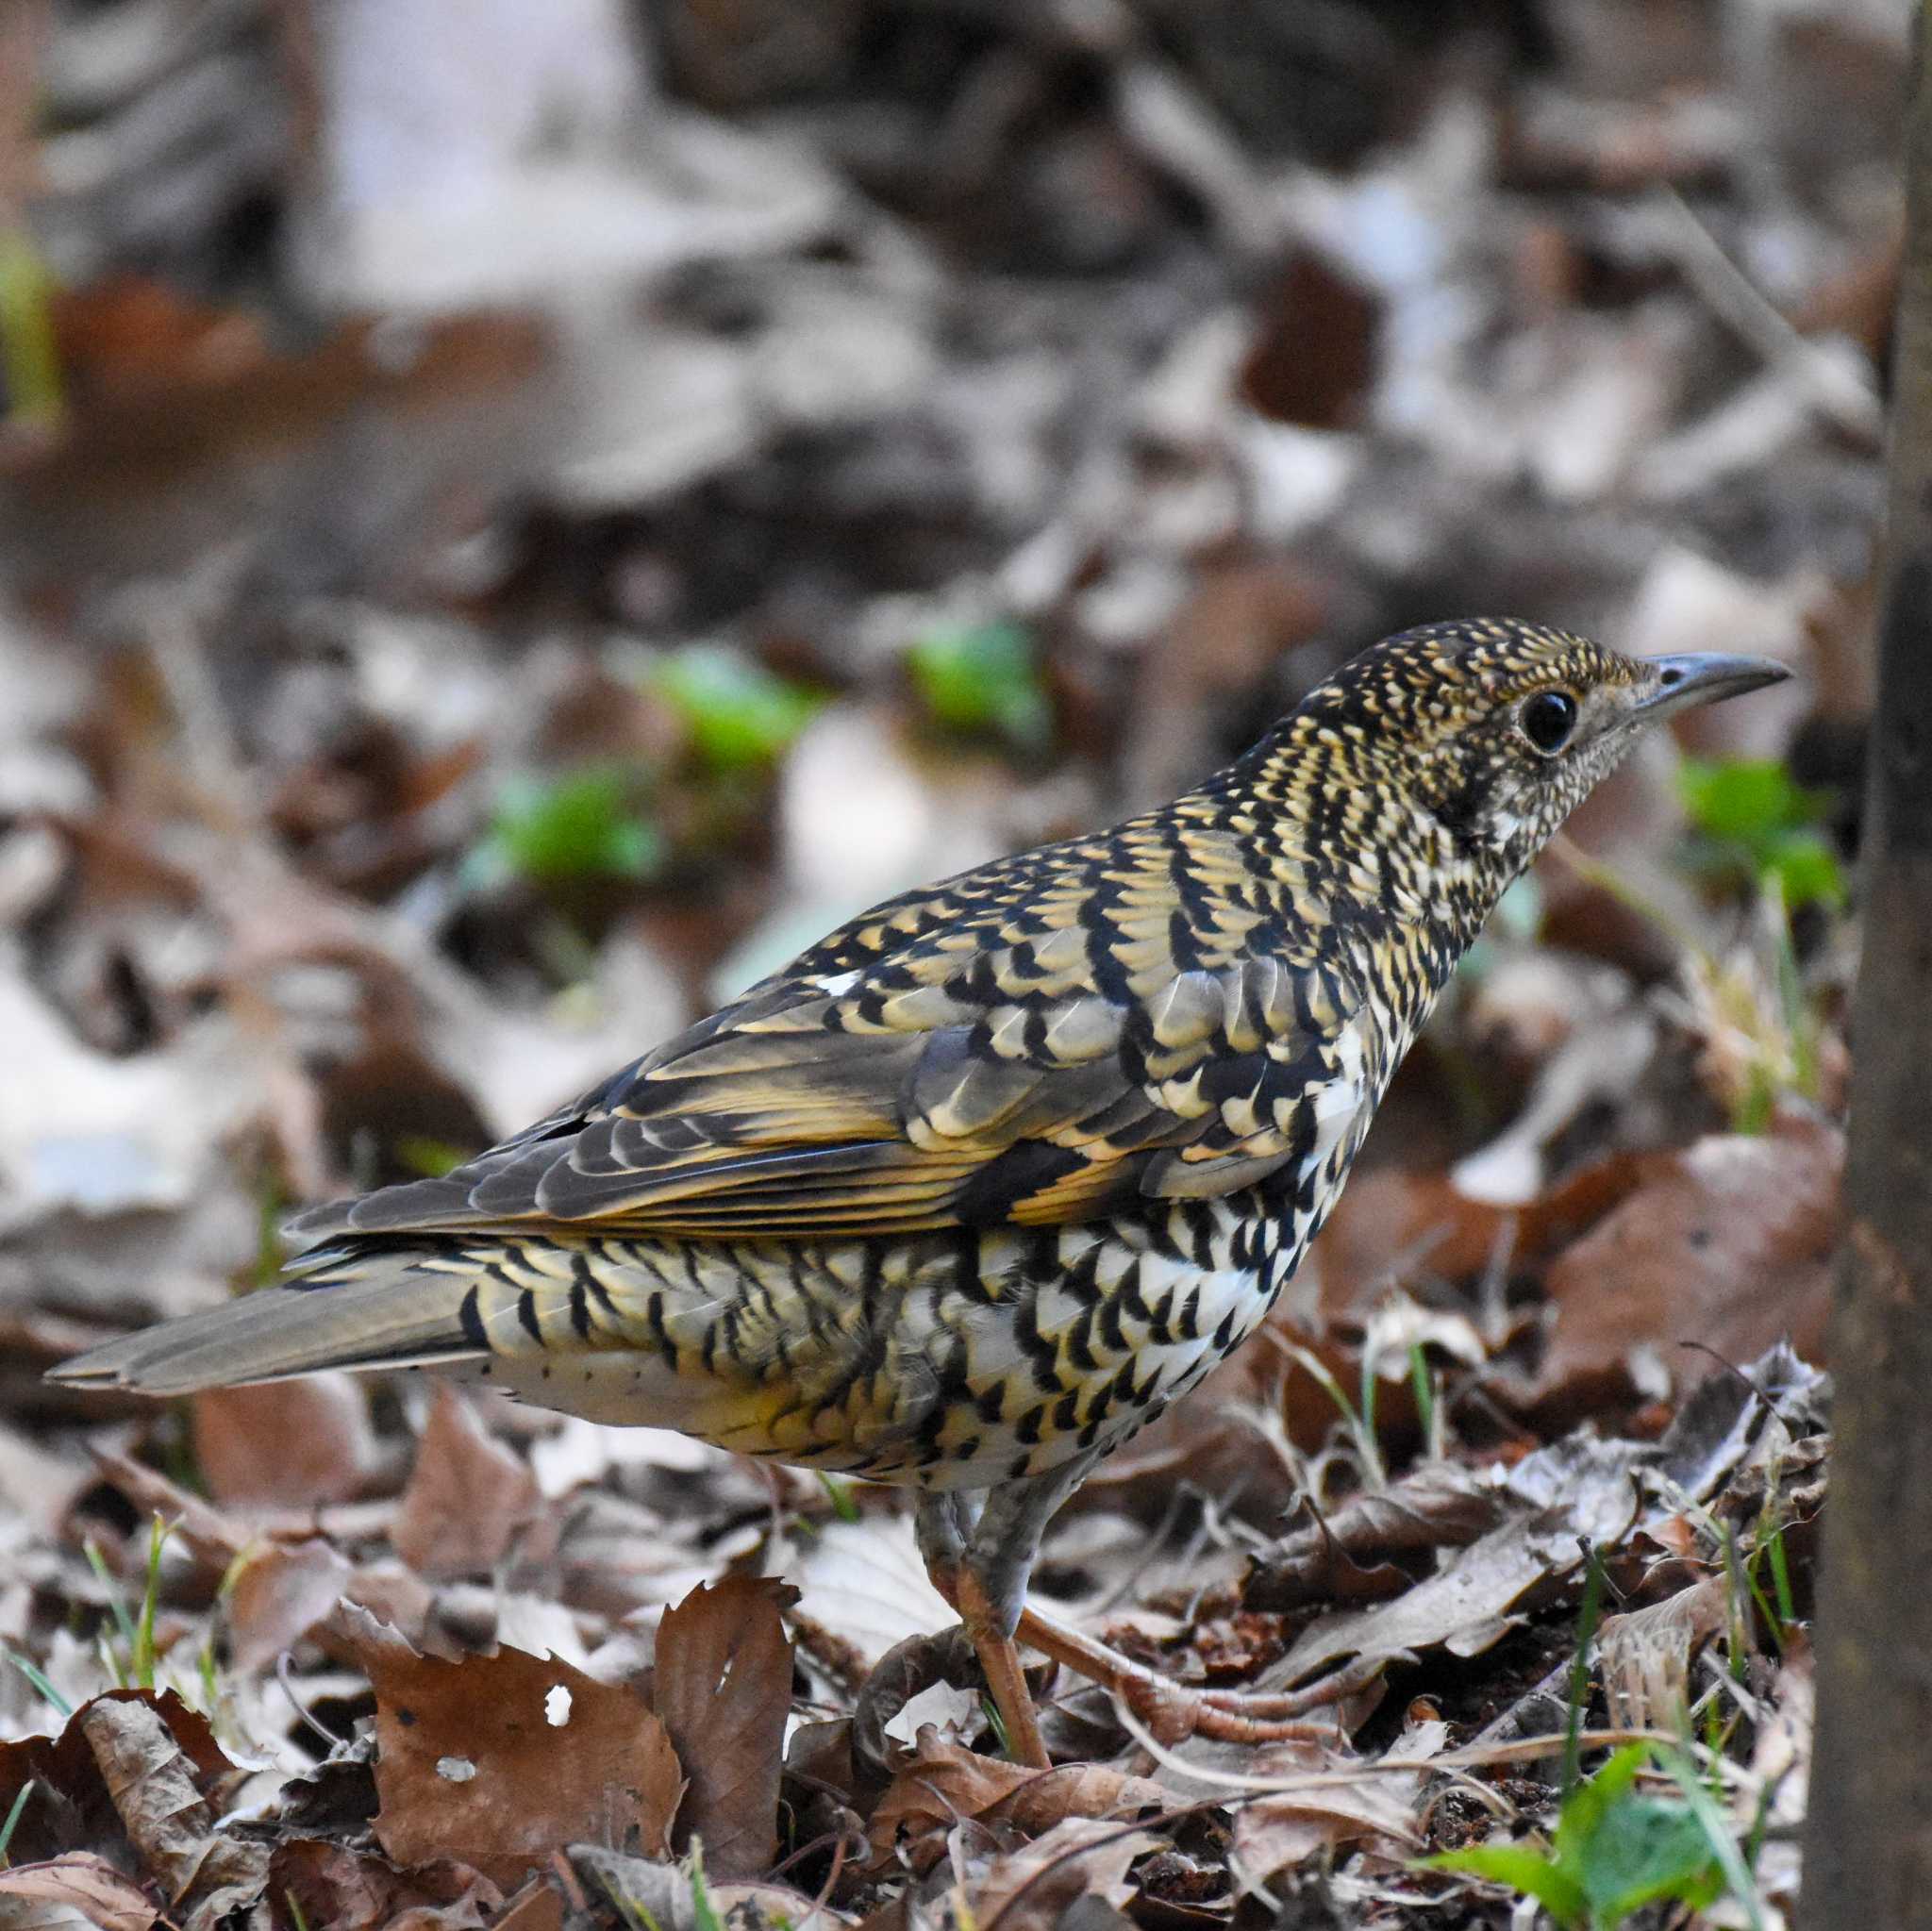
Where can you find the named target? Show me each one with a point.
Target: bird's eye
(1547, 719)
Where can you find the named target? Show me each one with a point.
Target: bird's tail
(360, 1306)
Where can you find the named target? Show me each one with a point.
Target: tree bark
(1867, 1845)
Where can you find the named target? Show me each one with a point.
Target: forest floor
(483, 577)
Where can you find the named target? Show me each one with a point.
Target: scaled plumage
(978, 1184)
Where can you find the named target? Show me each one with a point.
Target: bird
(977, 1186)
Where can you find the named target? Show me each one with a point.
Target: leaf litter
(860, 441)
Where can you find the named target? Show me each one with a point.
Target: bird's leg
(999, 1659)
(992, 1591)
(942, 1523)
(992, 1602)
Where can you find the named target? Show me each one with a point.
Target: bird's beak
(1701, 677)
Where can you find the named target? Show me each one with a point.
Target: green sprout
(1752, 819)
(582, 826)
(13, 1816)
(984, 681)
(1616, 1849)
(740, 715)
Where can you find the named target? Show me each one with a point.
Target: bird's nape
(978, 1185)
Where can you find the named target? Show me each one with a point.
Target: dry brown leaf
(501, 1759)
(1645, 1655)
(73, 1809)
(467, 1497)
(723, 1688)
(152, 1783)
(278, 1594)
(348, 1890)
(1579, 1489)
(292, 1444)
(1439, 1505)
(539, 1906)
(217, 1538)
(1028, 1888)
(945, 1782)
(1389, 1216)
(1728, 1244)
(1332, 1807)
(76, 1892)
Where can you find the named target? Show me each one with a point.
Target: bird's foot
(1173, 1711)
(975, 1648)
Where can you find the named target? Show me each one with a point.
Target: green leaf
(1807, 869)
(1745, 798)
(1523, 1869)
(739, 714)
(1585, 1803)
(1616, 1849)
(1646, 1848)
(581, 826)
(984, 679)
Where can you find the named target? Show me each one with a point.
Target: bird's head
(1491, 730)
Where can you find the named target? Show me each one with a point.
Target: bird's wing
(1039, 1065)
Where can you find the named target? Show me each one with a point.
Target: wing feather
(895, 1078)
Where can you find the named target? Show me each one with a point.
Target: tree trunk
(1868, 1849)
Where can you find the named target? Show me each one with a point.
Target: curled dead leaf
(1081, 1856)
(74, 1808)
(153, 1785)
(75, 1892)
(945, 1782)
(351, 1889)
(722, 1687)
(1344, 1556)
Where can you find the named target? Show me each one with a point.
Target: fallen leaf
(501, 1759)
(1437, 1505)
(74, 1808)
(722, 1687)
(1724, 1247)
(539, 1906)
(468, 1494)
(153, 1785)
(77, 1892)
(1027, 1889)
(350, 1889)
(945, 1782)
(1645, 1655)
(278, 1593)
(293, 1444)
(1342, 1800)
(1389, 1219)
(862, 1584)
(1581, 1489)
